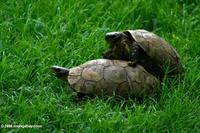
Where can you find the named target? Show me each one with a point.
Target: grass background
(35, 35)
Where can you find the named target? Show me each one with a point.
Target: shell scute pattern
(94, 73)
(111, 77)
(157, 49)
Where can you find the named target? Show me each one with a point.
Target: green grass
(35, 35)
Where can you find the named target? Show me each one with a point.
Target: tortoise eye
(57, 70)
(126, 41)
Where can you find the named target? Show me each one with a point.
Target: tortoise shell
(157, 49)
(111, 77)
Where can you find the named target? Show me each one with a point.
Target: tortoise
(143, 47)
(109, 77)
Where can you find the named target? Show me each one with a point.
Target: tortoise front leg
(108, 54)
(134, 54)
(79, 97)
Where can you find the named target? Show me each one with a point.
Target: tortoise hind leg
(134, 54)
(152, 68)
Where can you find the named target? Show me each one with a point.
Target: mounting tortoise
(108, 77)
(145, 48)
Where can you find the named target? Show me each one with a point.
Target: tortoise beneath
(108, 77)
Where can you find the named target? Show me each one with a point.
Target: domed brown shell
(112, 77)
(158, 49)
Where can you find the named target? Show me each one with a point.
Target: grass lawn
(37, 34)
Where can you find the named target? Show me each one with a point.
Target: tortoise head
(119, 43)
(60, 72)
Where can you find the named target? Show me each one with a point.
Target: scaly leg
(134, 54)
(108, 54)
